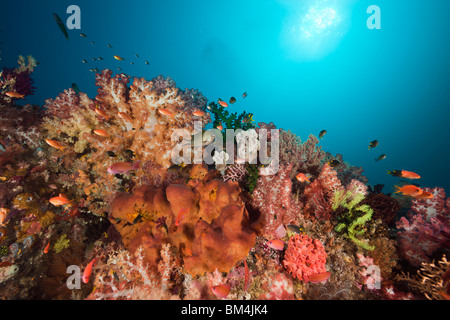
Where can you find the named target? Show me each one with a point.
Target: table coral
(304, 257)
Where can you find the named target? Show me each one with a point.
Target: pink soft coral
(318, 194)
(274, 199)
(426, 228)
(304, 257)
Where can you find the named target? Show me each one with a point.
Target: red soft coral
(304, 257)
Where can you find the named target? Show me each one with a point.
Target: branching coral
(433, 280)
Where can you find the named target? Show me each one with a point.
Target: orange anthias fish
(303, 177)
(220, 127)
(166, 112)
(47, 247)
(404, 174)
(223, 103)
(101, 132)
(61, 200)
(181, 216)
(276, 244)
(123, 167)
(409, 190)
(87, 272)
(424, 195)
(125, 117)
(316, 278)
(199, 113)
(221, 291)
(55, 144)
(101, 113)
(16, 95)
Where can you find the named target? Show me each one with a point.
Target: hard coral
(205, 219)
(304, 257)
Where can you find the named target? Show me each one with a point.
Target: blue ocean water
(306, 65)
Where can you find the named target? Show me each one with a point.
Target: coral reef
(159, 228)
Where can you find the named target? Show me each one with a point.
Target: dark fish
(232, 100)
(244, 95)
(92, 42)
(131, 62)
(94, 59)
(61, 25)
(295, 229)
(128, 153)
(381, 157)
(75, 88)
(373, 144)
(248, 118)
(322, 133)
(83, 35)
(84, 61)
(334, 163)
(146, 62)
(109, 46)
(119, 68)
(136, 55)
(99, 58)
(93, 70)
